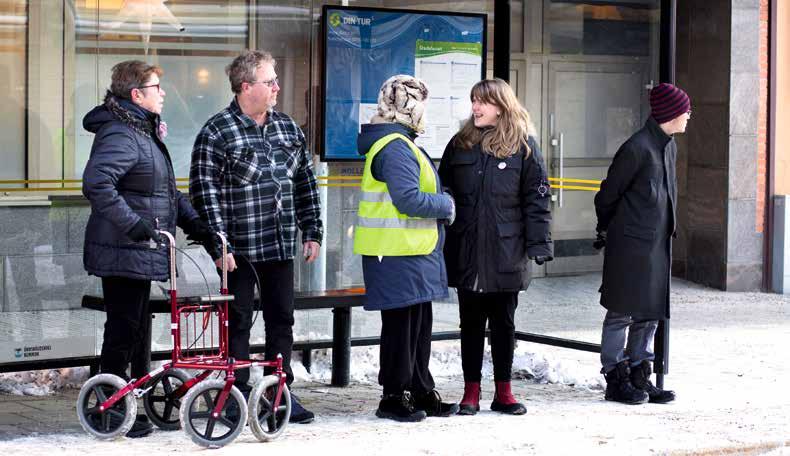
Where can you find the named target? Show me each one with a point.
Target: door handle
(562, 168)
(557, 143)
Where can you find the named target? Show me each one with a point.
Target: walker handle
(224, 240)
(171, 254)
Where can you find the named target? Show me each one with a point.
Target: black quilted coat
(129, 176)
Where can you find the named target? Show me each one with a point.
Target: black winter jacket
(129, 176)
(502, 217)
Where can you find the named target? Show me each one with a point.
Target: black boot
(640, 378)
(299, 414)
(432, 404)
(142, 426)
(619, 387)
(399, 407)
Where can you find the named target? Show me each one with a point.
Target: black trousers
(277, 309)
(406, 349)
(127, 331)
(499, 310)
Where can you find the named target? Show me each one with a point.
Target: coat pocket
(512, 250)
(464, 172)
(639, 232)
(245, 168)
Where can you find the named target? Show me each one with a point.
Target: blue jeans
(638, 347)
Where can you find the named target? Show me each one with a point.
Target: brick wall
(762, 131)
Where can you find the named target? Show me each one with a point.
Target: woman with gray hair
(400, 234)
(131, 187)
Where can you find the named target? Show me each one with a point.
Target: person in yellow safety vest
(400, 235)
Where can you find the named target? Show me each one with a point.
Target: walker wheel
(112, 423)
(197, 418)
(265, 422)
(163, 401)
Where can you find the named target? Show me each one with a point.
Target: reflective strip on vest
(417, 224)
(381, 230)
(375, 197)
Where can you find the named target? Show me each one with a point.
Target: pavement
(728, 363)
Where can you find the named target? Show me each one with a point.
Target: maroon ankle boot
(504, 402)
(470, 404)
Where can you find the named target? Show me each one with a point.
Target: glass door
(593, 108)
(599, 60)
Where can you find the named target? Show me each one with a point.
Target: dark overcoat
(129, 176)
(502, 217)
(636, 206)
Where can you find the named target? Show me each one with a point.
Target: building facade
(582, 68)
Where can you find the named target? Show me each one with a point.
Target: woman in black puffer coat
(130, 183)
(494, 170)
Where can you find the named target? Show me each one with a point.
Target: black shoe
(299, 414)
(432, 404)
(619, 387)
(141, 427)
(399, 407)
(640, 378)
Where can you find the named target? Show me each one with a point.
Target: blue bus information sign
(363, 47)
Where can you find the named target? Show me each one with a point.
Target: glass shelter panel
(55, 63)
(589, 67)
(13, 48)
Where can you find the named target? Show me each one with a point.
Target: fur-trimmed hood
(119, 109)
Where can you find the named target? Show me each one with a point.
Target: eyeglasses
(152, 85)
(270, 83)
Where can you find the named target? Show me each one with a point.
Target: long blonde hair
(512, 129)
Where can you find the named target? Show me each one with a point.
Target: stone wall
(717, 63)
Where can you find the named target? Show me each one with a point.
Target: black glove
(143, 231)
(600, 240)
(200, 232)
(539, 260)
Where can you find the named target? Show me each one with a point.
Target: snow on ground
(728, 365)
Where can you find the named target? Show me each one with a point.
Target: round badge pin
(502, 165)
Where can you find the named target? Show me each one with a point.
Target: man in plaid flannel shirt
(252, 178)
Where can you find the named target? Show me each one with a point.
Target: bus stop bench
(340, 301)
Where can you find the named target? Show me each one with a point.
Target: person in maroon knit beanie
(636, 209)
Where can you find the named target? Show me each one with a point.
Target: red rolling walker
(213, 412)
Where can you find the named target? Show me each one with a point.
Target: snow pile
(545, 369)
(42, 382)
(446, 362)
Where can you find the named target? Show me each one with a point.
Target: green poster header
(433, 48)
